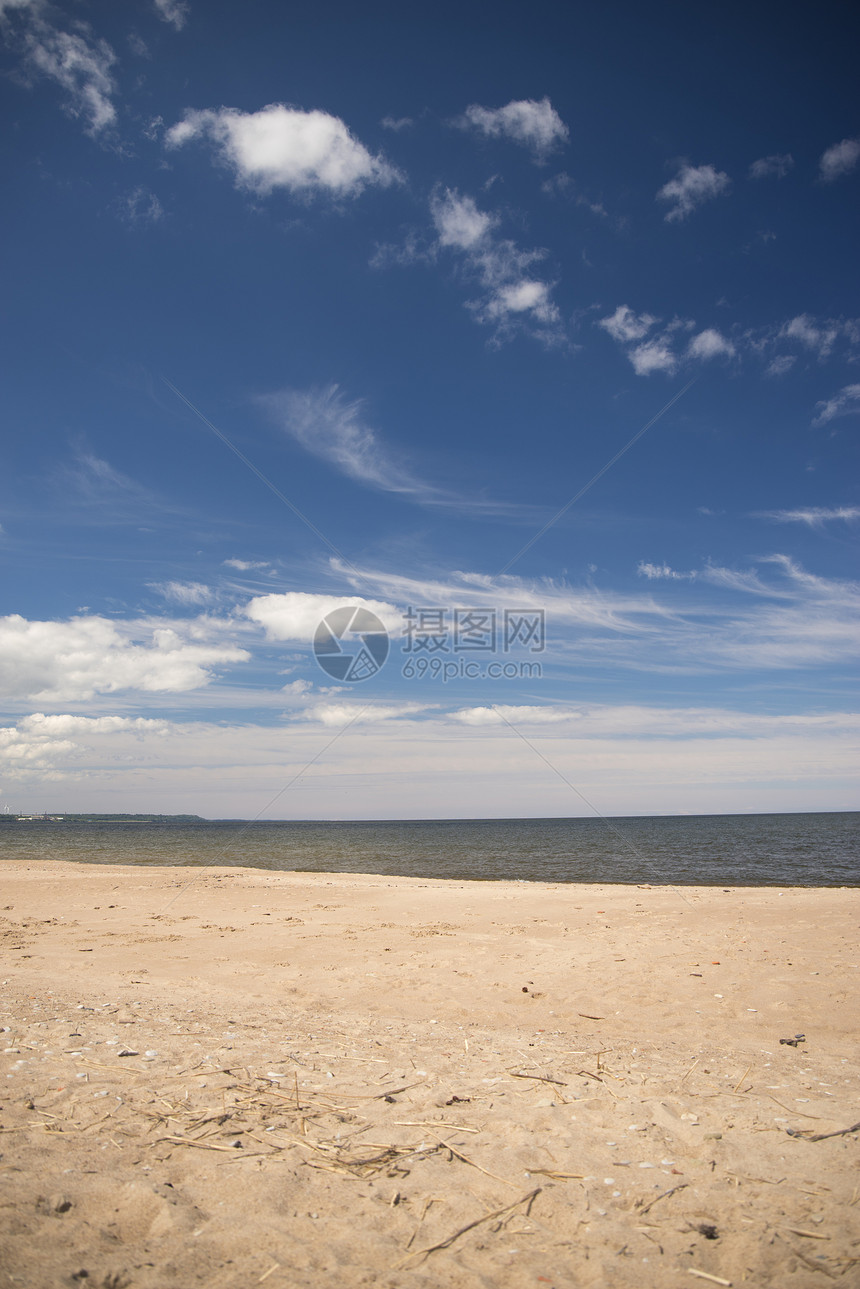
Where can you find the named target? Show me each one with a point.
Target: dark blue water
(722, 850)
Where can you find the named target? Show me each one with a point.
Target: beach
(232, 1077)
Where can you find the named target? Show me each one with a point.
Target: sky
(524, 340)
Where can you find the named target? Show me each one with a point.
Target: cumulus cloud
(839, 159)
(396, 123)
(295, 615)
(653, 355)
(512, 293)
(775, 166)
(67, 661)
(75, 60)
(710, 344)
(533, 123)
(845, 403)
(174, 12)
(283, 147)
(40, 744)
(657, 351)
(812, 516)
(691, 187)
(458, 220)
(625, 326)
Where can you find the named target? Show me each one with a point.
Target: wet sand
(323, 1080)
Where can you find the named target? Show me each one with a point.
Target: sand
(325, 1080)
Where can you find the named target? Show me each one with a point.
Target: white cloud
(780, 365)
(458, 220)
(661, 572)
(173, 11)
(627, 759)
(284, 147)
(339, 714)
(775, 166)
(246, 565)
(791, 620)
(839, 159)
(512, 295)
(692, 186)
(658, 353)
(140, 206)
(42, 747)
(74, 60)
(710, 344)
(67, 661)
(295, 615)
(188, 593)
(812, 516)
(535, 124)
(653, 355)
(396, 123)
(332, 427)
(819, 337)
(625, 326)
(525, 296)
(845, 403)
(516, 715)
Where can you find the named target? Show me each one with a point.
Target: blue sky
(309, 310)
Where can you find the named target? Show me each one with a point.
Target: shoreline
(400, 1057)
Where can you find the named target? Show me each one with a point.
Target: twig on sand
(822, 1136)
(805, 1259)
(663, 1195)
(743, 1076)
(466, 1160)
(528, 1200)
(557, 1176)
(190, 1141)
(706, 1275)
(541, 1078)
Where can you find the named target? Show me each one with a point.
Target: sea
(821, 849)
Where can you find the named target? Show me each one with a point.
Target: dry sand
(322, 1080)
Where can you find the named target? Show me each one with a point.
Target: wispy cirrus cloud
(335, 428)
(327, 424)
(839, 159)
(75, 60)
(845, 403)
(189, 594)
(531, 122)
(306, 153)
(773, 616)
(812, 516)
(174, 12)
(691, 188)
